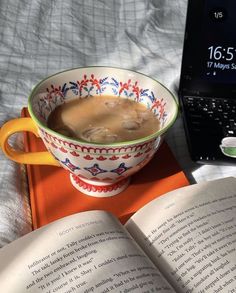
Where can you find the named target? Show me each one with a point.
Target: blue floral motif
(115, 91)
(114, 82)
(74, 87)
(152, 97)
(69, 165)
(95, 170)
(103, 82)
(64, 89)
(121, 169)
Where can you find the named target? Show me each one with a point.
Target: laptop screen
(209, 55)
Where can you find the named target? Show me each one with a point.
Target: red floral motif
(138, 155)
(82, 83)
(63, 150)
(101, 158)
(74, 154)
(88, 157)
(136, 90)
(95, 82)
(126, 156)
(148, 150)
(54, 91)
(113, 158)
(160, 106)
(124, 86)
(53, 145)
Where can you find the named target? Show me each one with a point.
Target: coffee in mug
(103, 119)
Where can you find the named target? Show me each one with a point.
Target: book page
(86, 252)
(190, 234)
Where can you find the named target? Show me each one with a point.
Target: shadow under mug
(99, 170)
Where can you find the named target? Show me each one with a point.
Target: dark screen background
(203, 30)
(219, 29)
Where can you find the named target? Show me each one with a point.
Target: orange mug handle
(34, 158)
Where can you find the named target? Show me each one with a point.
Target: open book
(183, 241)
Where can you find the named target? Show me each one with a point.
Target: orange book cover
(52, 195)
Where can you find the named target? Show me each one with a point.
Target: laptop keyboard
(211, 116)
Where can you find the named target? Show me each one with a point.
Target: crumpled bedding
(39, 38)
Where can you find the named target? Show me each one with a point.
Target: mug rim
(121, 143)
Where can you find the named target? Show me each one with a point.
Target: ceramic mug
(95, 169)
(228, 146)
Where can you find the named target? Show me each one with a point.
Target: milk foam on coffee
(103, 119)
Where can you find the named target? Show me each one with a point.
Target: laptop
(207, 88)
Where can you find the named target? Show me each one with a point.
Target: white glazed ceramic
(101, 169)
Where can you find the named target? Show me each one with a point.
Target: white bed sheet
(39, 38)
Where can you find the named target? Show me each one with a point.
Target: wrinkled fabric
(40, 38)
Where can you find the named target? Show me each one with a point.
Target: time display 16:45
(220, 52)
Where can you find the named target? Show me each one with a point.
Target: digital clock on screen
(221, 53)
